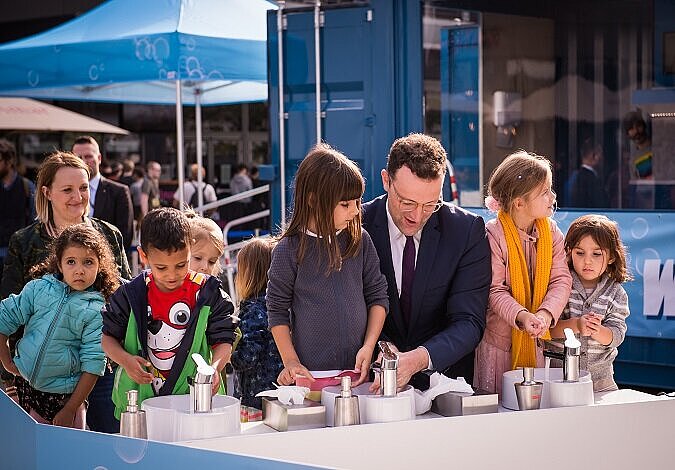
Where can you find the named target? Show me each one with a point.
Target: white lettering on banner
(659, 288)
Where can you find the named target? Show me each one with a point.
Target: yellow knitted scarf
(523, 349)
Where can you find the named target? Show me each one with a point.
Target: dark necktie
(407, 276)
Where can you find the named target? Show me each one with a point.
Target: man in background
(127, 177)
(150, 188)
(108, 200)
(17, 198)
(585, 188)
(641, 188)
(191, 190)
(241, 182)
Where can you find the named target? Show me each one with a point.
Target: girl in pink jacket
(530, 279)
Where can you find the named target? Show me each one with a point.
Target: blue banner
(650, 241)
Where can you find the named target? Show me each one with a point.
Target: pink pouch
(325, 378)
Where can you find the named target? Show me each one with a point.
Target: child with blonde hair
(256, 360)
(598, 305)
(325, 286)
(207, 245)
(59, 358)
(530, 280)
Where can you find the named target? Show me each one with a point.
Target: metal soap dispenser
(528, 392)
(569, 356)
(572, 353)
(387, 368)
(200, 386)
(346, 405)
(132, 421)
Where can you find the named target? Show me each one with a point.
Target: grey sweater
(327, 314)
(610, 300)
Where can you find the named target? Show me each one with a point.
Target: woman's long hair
(45, 178)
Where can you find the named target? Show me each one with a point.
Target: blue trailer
(370, 91)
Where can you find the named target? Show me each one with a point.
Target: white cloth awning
(24, 114)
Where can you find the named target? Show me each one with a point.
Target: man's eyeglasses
(406, 205)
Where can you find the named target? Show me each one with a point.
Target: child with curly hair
(59, 358)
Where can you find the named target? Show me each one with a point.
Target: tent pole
(282, 130)
(198, 136)
(179, 142)
(317, 67)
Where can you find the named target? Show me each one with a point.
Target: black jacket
(113, 204)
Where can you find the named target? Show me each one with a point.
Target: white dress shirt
(397, 243)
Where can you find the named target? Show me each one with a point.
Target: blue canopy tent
(148, 51)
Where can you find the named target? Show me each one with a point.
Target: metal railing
(234, 198)
(230, 265)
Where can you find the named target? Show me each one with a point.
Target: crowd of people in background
(123, 192)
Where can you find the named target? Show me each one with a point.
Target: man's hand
(408, 364)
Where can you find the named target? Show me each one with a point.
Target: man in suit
(585, 188)
(108, 200)
(436, 259)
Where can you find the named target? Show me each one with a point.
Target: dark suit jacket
(585, 190)
(451, 285)
(113, 204)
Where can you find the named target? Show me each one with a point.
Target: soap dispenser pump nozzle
(132, 421)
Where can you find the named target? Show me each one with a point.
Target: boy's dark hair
(588, 148)
(139, 172)
(165, 229)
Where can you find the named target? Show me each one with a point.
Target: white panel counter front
(624, 430)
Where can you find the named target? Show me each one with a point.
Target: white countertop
(633, 421)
